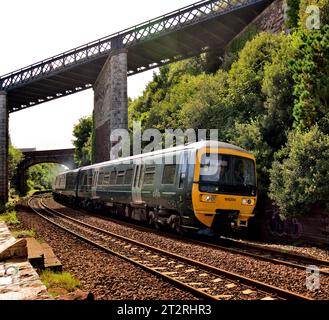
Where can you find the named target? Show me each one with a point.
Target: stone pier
(3, 147)
(110, 103)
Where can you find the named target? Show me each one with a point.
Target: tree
(42, 176)
(278, 87)
(311, 78)
(15, 156)
(83, 144)
(250, 137)
(300, 173)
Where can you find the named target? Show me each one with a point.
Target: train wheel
(177, 225)
(150, 218)
(151, 221)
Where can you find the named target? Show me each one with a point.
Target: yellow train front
(224, 190)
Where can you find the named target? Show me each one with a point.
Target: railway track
(202, 280)
(272, 255)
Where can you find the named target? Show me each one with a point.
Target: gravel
(278, 275)
(106, 276)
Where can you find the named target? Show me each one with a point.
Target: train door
(94, 184)
(137, 184)
(181, 181)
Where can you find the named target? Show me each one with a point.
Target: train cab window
(129, 177)
(113, 177)
(120, 177)
(149, 175)
(169, 173)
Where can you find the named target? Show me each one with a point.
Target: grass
(24, 233)
(10, 218)
(59, 283)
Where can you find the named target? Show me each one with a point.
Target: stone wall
(272, 18)
(311, 228)
(3, 147)
(110, 103)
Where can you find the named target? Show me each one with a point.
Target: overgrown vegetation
(269, 96)
(58, 283)
(41, 176)
(24, 233)
(83, 140)
(10, 218)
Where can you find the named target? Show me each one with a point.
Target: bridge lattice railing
(170, 22)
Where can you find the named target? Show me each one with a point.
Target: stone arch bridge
(31, 158)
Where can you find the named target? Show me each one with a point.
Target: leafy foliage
(292, 13)
(300, 173)
(304, 15)
(250, 137)
(15, 156)
(82, 133)
(10, 218)
(311, 77)
(42, 176)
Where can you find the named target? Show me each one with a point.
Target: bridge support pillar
(3, 147)
(110, 103)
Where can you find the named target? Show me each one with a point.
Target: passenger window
(129, 176)
(113, 177)
(168, 176)
(149, 175)
(120, 177)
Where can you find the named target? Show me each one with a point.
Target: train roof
(195, 145)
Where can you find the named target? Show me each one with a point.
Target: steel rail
(261, 286)
(285, 254)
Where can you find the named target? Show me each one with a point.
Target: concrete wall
(110, 103)
(3, 147)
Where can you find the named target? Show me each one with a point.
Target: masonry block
(110, 103)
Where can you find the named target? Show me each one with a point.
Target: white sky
(37, 29)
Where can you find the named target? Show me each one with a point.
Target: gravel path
(282, 276)
(106, 276)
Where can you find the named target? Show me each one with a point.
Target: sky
(37, 29)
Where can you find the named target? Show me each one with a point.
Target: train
(206, 186)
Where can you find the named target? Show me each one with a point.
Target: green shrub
(323, 6)
(59, 280)
(10, 218)
(249, 137)
(292, 13)
(311, 78)
(24, 233)
(300, 174)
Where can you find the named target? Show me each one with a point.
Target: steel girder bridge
(183, 33)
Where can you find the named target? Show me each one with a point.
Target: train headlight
(208, 198)
(248, 202)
